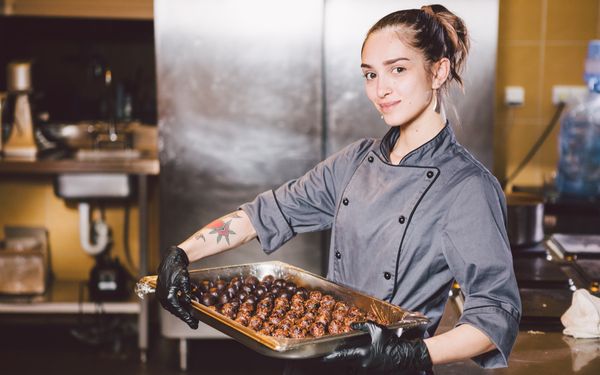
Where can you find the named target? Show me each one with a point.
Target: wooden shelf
(144, 166)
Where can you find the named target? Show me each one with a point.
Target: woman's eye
(399, 69)
(370, 75)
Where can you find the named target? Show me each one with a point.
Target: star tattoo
(221, 229)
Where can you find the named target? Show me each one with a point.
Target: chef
(409, 213)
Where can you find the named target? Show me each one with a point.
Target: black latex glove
(386, 352)
(173, 285)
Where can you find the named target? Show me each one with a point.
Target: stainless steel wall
(351, 116)
(254, 93)
(240, 105)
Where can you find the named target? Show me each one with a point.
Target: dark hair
(433, 30)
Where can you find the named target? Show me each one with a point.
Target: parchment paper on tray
(394, 317)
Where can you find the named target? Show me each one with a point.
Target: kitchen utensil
(21, 141)
(285, 347)
(525, 219)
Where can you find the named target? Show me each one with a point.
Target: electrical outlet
(514, 96)
(568, 94)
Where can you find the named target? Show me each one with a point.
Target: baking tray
(397, 317)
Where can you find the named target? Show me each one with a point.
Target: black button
(402, 219)
(429, 174)
(338, 255)
(387, 275)
(370, 159)
(345, 201)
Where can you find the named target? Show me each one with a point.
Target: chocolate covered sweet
(279, 283)
(205, 285)
(298, 332)
(229, 310)
(278, 307)
(208, 299)
(255, 323)
(338, 314)
(214, 292)
(268, 280)
(252, 281)
(317, 329)
(335, 327)
(302, 292)
(315, 294)
(220, 285)
(291, 287)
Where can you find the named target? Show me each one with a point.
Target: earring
(382, 117)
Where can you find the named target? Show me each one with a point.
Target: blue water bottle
(578, 174)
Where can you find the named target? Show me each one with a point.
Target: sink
(83, 186)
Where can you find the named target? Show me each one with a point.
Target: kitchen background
(541, 43)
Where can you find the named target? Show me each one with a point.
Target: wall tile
(519, 66)
(520, 20)
(563, 65)
(572, 20)
(520, 138)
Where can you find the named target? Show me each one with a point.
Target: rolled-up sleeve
(476, 248)
(302, 205)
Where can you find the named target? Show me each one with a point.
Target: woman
(409, 213)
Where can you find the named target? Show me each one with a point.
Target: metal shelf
(63, 298)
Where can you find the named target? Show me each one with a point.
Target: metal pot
(525, 219)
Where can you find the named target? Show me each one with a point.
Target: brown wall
(542, 43)
(30, 201)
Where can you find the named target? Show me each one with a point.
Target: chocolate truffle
(317, 329)
(291, 287)
(205, 285)
(255, 323)
(208, 299)
(251, 280)
(315, 294)
(268, 280)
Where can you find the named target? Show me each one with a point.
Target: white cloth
(582, 318)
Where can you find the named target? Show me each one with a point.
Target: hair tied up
(427, 9)
(457, 45)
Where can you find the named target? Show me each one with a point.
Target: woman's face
(397, 80)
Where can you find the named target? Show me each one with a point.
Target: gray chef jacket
(403, 233)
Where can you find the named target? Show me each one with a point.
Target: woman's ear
(441, 70)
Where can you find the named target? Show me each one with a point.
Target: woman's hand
(173, 286)
(386, 352)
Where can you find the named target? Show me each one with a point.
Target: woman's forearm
(227, 232)
(462, 342)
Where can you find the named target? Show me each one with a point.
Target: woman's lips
(387, 106)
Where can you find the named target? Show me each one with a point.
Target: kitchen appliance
(525, 220)
(21, 141)
(278, 347)
(24, 261)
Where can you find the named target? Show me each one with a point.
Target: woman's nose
(383, 87)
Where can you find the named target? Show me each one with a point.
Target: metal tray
(287, 347)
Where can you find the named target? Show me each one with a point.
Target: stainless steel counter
(540, 351)
(544, 353)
